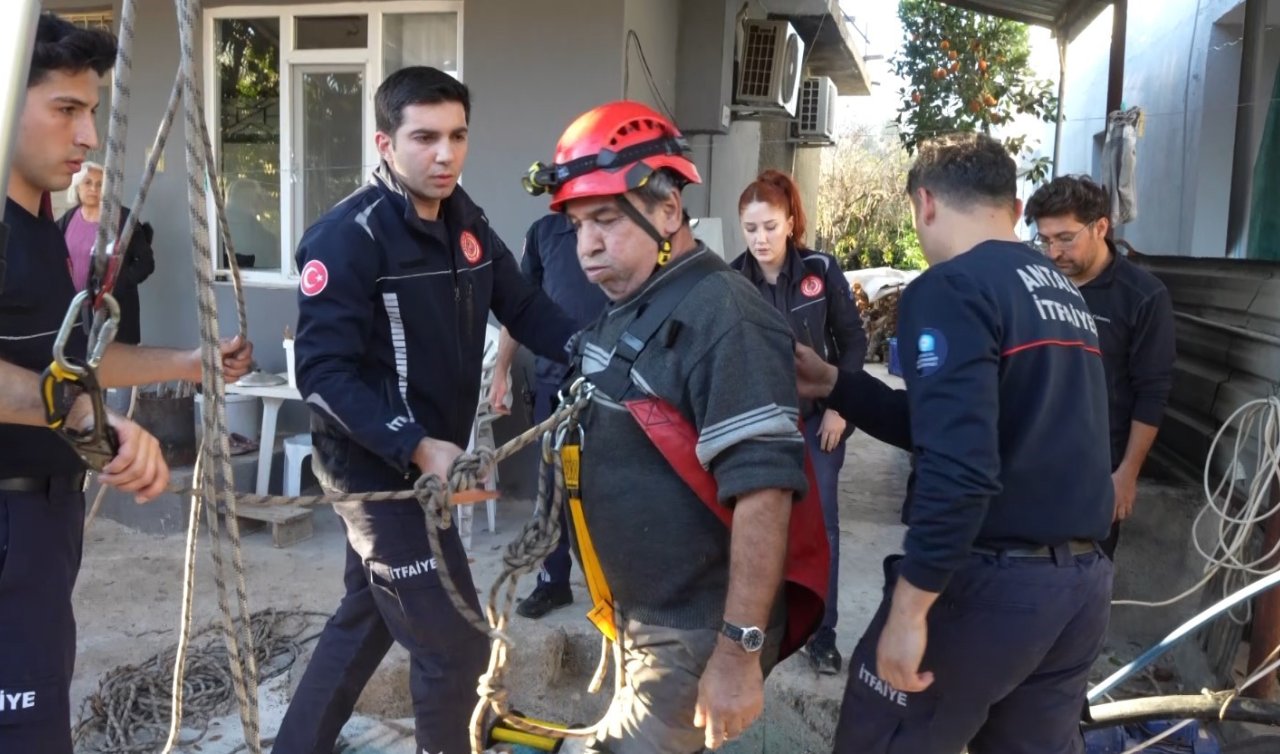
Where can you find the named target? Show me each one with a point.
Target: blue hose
(1182, 632)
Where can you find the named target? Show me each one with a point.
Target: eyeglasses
(1064, 241)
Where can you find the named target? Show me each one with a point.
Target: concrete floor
(130, 589)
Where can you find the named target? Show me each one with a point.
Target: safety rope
(216, 478)
(524, 554)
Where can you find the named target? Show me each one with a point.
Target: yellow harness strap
(602, 611)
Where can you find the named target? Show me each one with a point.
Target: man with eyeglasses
(1134, 316)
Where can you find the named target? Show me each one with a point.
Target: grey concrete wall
(727, 163)
(1182, 67)
(657, 24)
(527, 88)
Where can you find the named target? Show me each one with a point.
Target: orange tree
(967, 71)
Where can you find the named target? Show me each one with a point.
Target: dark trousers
(41, 541)
(826, 470)
(393, 593)
(555, 569)
(1010, 643)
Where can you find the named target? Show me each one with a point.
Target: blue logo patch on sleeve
(931, 354)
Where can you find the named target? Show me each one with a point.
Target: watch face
(752, 639)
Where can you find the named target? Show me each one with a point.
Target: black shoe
(823, 654)
(544, 599)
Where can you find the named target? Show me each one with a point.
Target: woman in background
(810, 290)
(80, 228)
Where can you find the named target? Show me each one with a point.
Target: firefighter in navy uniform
(550, 261)
(994, 615)
(396, 285)
(810, 290)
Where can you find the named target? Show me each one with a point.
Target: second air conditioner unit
(815, 121)
(769, 65)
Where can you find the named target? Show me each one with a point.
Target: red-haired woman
(810, 290)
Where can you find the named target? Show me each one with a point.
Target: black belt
(70, 482)
(1074, 547)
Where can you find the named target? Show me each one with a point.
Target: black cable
(653, 84)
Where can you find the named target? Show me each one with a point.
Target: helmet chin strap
(637, 217)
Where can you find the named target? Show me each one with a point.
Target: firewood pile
(879, 319)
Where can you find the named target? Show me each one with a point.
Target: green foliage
(967, 71)
(864, 215)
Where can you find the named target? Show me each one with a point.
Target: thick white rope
(1222, 536)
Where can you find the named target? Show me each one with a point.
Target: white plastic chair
(482, 435)
(297, 448)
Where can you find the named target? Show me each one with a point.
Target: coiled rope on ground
(131, 710)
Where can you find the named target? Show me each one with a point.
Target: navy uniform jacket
(1007, 405)
(550, 260)
(37, 291)
(391, 327)
(1136, 331)
(814, 296)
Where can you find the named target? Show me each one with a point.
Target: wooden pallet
(290, 524)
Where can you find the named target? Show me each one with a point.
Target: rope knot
(490, 686)
(431, 495)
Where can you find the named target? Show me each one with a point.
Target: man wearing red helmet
(693, 427)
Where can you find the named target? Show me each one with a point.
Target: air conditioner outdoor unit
(769, 66)
(815, 121)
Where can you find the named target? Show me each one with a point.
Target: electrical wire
(1226, 550)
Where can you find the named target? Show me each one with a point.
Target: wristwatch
(750, 638)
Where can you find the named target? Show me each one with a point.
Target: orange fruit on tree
(939, 73)
(983, 65)
(955, 66)
(952, 54)
(944, 44)
(989, 100)
(976, 106)
(915, 98)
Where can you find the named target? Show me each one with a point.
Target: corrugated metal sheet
(1228, 322)
(1071, 15)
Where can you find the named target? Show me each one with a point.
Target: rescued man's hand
(832, 429)
(815, 378)
(730, 693)
(139, 466)
(499, 391)
(1126, 489)
(435, 457)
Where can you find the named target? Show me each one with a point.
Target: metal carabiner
(104, 329)
(64, 334)
(100, 335)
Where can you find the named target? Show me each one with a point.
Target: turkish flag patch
(314, 278)
(812, 286)
(471, 250)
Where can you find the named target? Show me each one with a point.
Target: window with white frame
(289, 98)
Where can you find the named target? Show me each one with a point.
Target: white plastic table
(272, 398)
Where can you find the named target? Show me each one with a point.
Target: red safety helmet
(611, 150)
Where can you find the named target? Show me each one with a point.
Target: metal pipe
(16, 40)
(1251, 75)
(1115, 70)
(1182, 632)
(17, 37)
(1062, 93)
(1190, 706)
